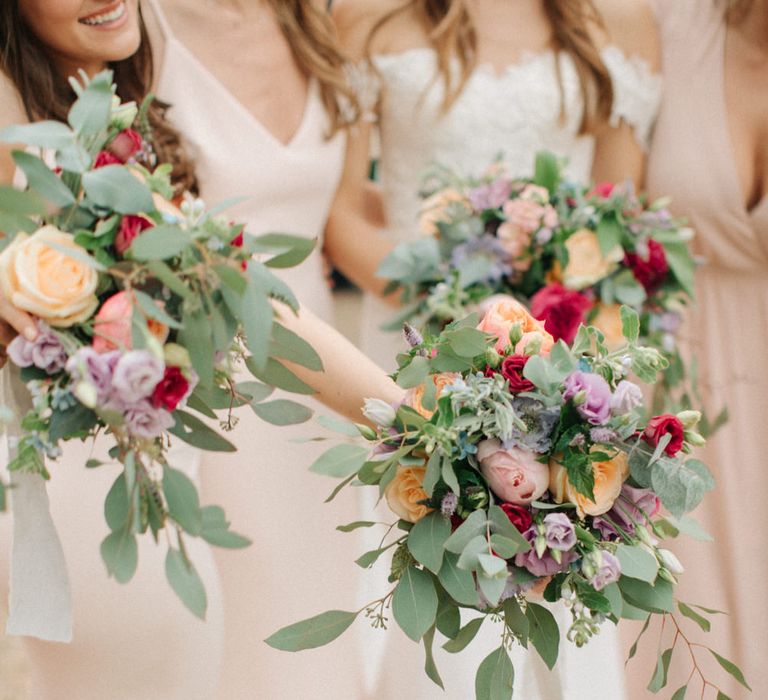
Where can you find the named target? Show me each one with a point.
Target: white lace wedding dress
(514, 113)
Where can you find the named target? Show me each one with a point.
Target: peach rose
(405, 491)
(414, 396)
(542, 339)
(433, 209)
(503, 314)
(514, 474)
(112, 326)
(43, 280)
(608, 320)
(609, 477)
(586, 264)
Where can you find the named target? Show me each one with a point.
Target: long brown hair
(312, 38)
(736, 11)
(452, 34)
(45, 93)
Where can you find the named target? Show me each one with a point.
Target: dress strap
(365, 83)
(162, 22)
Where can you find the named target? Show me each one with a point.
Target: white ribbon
(40, 602)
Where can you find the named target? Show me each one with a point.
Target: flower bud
(533, 346)
(379, 412)
(689, 419)
(516, 333)
(492, 358)
(176, 356)
(86, 394)
(667, 576)
(670, 562)
(579, 398)
(645, 537)
(694, 438)
(366, 431)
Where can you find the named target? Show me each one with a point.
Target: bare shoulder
(355, 19)
(11, 112)
(631, 25)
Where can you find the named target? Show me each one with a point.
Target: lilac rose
(95, 369)
(490, 196)
(601, 568)
(627, 397)
(143, 420)
(559, 532)
(591, 395)
(545, 565)
(136, 375)
(45, 352)
(631, 507)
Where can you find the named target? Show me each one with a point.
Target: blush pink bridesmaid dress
(692, 161)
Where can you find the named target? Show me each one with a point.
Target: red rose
(125, 144)
(519, 516)
(602, 189)
(170, 390)
(512, 370)
(105, 158)
(561, 309)
(665, 424)
(238, 240)
(652, 272)
(130, 227)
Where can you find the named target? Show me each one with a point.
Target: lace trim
(365, 83)
(636, 93)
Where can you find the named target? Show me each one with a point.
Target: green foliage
(159, 243)
(340, 461)
(286, 250)
(430, 668)
(659, 679)
(495, 677)
(414, 603)
(464, 637)
(544, 633)
(114, 188)
(215, 530)
(276, 374)
(183, 501)
(43, 180)
(282, 412)
(637, 562)
(193, 431)
(313, 632)
(426, 540)
(120, 553)
(731, 668)
(459, 583)
(289, 346)
(186, 582)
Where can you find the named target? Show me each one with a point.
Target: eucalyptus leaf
(45, 134)
(313, 632)
(415, 373)
(659, 679)
(288, 250)
(289, 346)
(544, 633)
(120, 553)
(473, 526)
(340, 461)
(459, 584)
(117, 506)
(426, 540)
(637, 562)
(495, 677)
(194, 432)
(282, 412)
(430, 668)
(414, 603)
(731, 668)
(215, 530)
(43, 180)
(691, 614)
(114, 188)
(278, 375)
(186, 582)
(183, 501)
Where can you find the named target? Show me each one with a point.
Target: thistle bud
(412, 336)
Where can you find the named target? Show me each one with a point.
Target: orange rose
(414, 397)
(586, 263)
(405, 492)
(37, 276)
(433, 209)
(609, 477)
(502, 315)
(608, 320)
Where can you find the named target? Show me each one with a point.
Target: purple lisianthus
(136, 375)
(631, 507)
(490, 196)
(95, 369)
(143, 420)
(602, 568)
(559, 532)
(45, 352)
(626, 398)
(485, 246)
(545, 565)
(591, 394)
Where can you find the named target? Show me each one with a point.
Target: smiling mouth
(99, 19)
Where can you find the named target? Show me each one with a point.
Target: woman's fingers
(22, 322)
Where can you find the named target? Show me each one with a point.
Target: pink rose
(503, 314)
(112, 325)
(514, 475)
(125, 144)
(130, 228)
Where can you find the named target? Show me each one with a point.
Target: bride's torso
(531, 105)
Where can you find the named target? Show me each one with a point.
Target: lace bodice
(514, 113)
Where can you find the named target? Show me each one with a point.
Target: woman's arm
(630, 25)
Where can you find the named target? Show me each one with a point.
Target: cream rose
(608, 320)
(586, 264)
(43, 280)
(433, 209)
(609, 477)
(414, 397)
(405, 492)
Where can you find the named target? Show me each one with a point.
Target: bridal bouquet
(144, 313)
(572, 253)
(520, 467)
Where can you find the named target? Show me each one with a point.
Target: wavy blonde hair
(310, 32)
(452, 34)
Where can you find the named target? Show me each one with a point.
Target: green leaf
(613, 593)
(540, 372)
(340, 461)
(501, 524)
(544, 633)
(282, 412)
(722, 696)
(414, 603)
(473, 526)
(430, 668)
(680, 693)
(43, 180)
(358, 524)
(682, 265)
(547, 171)
(459, 584)
(164, 273)
(681, 486)
(160, 243)
(448, 620)
(289, 346)
(183, 501)
(216, 530)
(313, 632)
(628, 290)
(197, 338)
(426, 540)
(45, 134)
(194, 432)
(114, 188)
(153, 311)
(630, 324)
(633, 648)
(637, 562)
(731, 668)
(609, 234)
(466, 342)
(495, 677)
(515, 619)
(413, 374)
(278, 375)
(186, 582)
(120, 553)
(271, 285)
(657, 598)
(337, 425)
(19, 203)
(659, 679)
(117, 505)
(72, 422)
(288, 251)
(691, 614)
(232, 278)
(89, 115)
(464, 637)
(368, 559)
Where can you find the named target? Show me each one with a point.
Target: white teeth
(96, 20)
